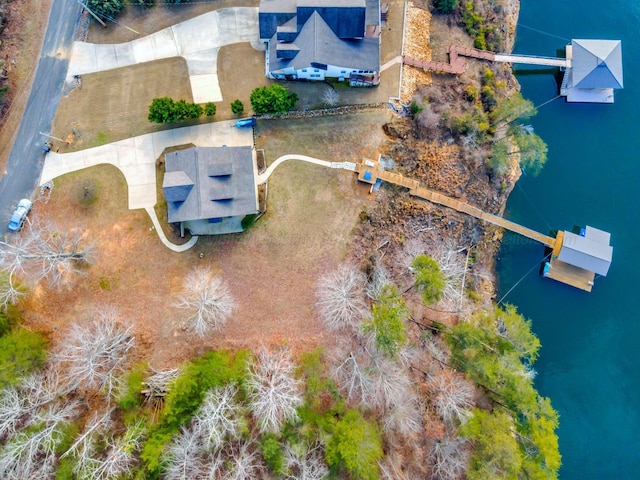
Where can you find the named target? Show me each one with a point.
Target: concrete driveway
(198, 40)
(136, 157)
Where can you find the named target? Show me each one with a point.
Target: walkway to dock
(533, 60)
(371, 174)
(456, 65)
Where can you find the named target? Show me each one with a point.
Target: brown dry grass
(114, 104)
(21, 41)
(271, 269)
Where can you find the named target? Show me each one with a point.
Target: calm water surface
(589, 360)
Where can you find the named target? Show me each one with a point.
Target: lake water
(589, 359)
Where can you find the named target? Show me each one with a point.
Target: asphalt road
(24, 165)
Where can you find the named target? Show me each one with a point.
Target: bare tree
(453, 397)
(219, 418)
(184, 459)
(379, 278)
(341, 298)
(13, 409)
(404, 417)
(95, 353)
(43, 251)
(119, 458)
(304, 462)
(243, 461)
(207, 300)
(352, 377)
(274, 392)
(449, 458)
(84, 448)
(330, 97)
(32, 452)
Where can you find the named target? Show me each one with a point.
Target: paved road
(25, 160)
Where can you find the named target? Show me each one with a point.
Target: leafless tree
(95, 353)
(43, 251)
(453, 397)
(32, 452)
(449, 458)
(428, 121)
(304, 462)
(352, 377)
(119, 458)
(219, 418)
(340, 298)
(207, 300)
(184, 458)
(13, 409)
(243, 461)
(379, 278)
(274, 391)
(330, 97)
(404, 417)
(84, 449)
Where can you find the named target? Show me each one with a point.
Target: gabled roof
(176, 186)
(590, 251)
(317, 43)
(597, 64)
(212, 182)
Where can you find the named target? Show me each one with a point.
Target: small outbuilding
(595, 72)
(210, 190)
(577, 258)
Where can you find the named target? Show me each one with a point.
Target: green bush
(212, 370)
(273, 99)
(429, 279)
(498, 160)
(130, 395)
(272, 452)
(106, 8)
(387, 322)
(164, 110)
(355, 446)
(185, 395)
(237, 107)
(445, 6)
(210, 109)
(21, 353)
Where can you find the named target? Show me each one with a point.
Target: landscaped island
(350, 332)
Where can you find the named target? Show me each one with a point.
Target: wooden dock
(456, 63)
(369, 173)
(565, 273)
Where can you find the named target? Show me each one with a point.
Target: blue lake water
(589, 359)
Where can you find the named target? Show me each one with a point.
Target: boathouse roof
(590, 250)
(597, 64)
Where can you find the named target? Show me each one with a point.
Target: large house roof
(317, 43)
(597, 64)
(212, 182)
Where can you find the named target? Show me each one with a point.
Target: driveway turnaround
(198, 40)
(136, 157)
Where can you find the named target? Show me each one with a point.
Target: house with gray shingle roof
(210, 190)
(316, 39)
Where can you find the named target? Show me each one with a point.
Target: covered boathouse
(577, 258)
(595, 71)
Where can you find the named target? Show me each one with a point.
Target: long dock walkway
(371, 174)
(456, 63)
(533, 60)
